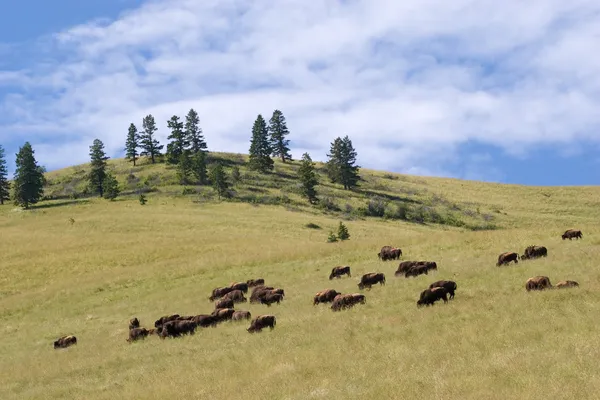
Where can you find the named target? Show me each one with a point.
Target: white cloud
(408, 81)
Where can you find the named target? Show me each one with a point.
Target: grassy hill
(120, 259)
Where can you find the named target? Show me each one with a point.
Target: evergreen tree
(110, 187)
(29, 179)
(4, 183)
(341, 166)
(343, 233)
(260, 150)
(218, 179)
(193, 132)
(179, 141)
(150, 146)
(132, 144)
(97, 175)
(184, 167)
(236, 176)
(198, 167)
(278, 131)
(308, 178)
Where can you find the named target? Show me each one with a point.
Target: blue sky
(480, 90)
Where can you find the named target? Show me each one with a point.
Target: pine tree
(132, 144)
(236, 176)
(198, 167)
(308, 178)
(341, 166)
(4, 183)
(150, 146)
(29, 179)
(184, 167)
(218, 178)
(110, 187)
(179, 141)
(278, 131)
(260, 150)
(97, 175)
(343, 233)
(193, 132)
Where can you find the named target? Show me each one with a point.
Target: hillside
(119, 259)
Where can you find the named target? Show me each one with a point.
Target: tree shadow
(390, 197)
(58, 204)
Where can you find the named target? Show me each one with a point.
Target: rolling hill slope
(120, 259)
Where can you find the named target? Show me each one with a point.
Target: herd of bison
(226, 297)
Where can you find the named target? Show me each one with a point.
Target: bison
(343, 301)
(417, 270)
(217, 293)
(255, 282)
(134, 323)
(572, 233)
(431, 295)
(237, 296)
(534, 252)
(271, 298)
(389, 253)
(370, 279)
(242, 286)
(538, 283)
(507, 257)
(167, 318)
(224, 303)
(204, 320)
(338, 271)
(450, 286)
(239, 315)
(262, 321)
(566, 284)
(404, 266)
(65, 341)
(137, 333)
(177, 328)
(223, 314)
(325, 296)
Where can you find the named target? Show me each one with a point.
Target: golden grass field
(120, 259)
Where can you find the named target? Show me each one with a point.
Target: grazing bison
(389, 253)
(538, 283)
(343, 301)
(224, 303)
(137, 333)
(237, 296)
(405, 266)
(325, 296)
(242, 286)
(217, 293)
(572, 233)
(261, 292)
(177, 328)
(338, 271)
(566, 284)
(255, 282)
(239, 315)
(270, 298)
(507, 257)
(167, 318)
(65, 341)
(262, 321)
(223, 314)
(417, 270)
(205, 321)
(450, 286)
(371, 279)
(534, 252)
(134, 323)
(430, 296)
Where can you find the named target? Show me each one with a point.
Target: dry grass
(120, 259)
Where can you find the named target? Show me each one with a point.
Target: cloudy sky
(499, 91)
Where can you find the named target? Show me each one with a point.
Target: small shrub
(187, 190)
(376, 207)
(142, 199)
(327, 203)
(331, 238)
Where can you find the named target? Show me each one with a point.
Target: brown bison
(343, 301)
(325, 296)
(217, 293)
(223, 314)
(566, 284)
(177, 328)
(389, 253)
(534, 252)
(337, 272)
(224, 303)
(271, 298)
(137, 333)
(242, 286)
(134, 323)
(572, 233)
(167, 318)
(430, 296)
(507, 257)
(538, 283)
(255, 282)
(370, 279)
(204, 320)
(262, 321)
(237, 296)
(404, 266)
(417, 270)
(65, 341)
(261, 292)
(239, 315)
(450, 286)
